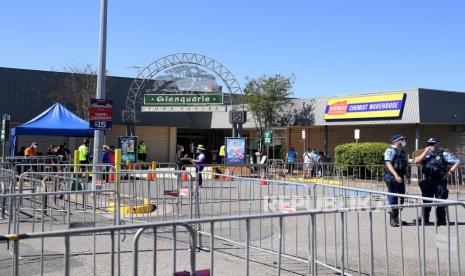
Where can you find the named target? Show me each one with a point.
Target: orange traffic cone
(263, 180)
(228, 174)
(151, 176)
(184, 176)
(111, 176)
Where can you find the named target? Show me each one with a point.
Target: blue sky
(333, 47)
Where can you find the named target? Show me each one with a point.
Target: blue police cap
(397, 137)
(432, 141)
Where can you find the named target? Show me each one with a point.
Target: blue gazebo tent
(55, 121)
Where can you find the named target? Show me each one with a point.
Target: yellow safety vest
(83, 151)
(222, 151)
(142, 148)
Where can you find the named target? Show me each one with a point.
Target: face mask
(403, 144)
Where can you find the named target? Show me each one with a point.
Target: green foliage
(266, 97)
(364, 159)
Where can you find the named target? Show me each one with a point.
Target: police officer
(395, 172)
(435, 162)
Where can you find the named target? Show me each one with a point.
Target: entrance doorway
(212, 139)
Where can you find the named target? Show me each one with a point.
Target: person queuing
(106, 154)
(395, 171)
(32, 150)
(308, 163)
(435, 162)
(142, 153)
(222, 154)
(199, 162)
(181, 158)
(291, 159)
(84, 152)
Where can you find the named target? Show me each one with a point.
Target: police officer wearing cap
(435, 162)
(395, 172)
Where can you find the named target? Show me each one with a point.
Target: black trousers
(142, 157)
(434, 187)
(199, 176)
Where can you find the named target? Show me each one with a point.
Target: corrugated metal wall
(24, 95)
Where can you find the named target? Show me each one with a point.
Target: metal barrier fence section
(150, 221)
(323, 246)
(364, 177)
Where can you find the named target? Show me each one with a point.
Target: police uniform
(398, 159)
(434, 168)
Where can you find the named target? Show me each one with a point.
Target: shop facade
(423, 113)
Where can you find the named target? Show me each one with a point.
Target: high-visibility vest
(222, 151)
(83, 151)
(142, 148)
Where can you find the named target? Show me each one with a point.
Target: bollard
(76, 161)
(117, 169)
(75, 183)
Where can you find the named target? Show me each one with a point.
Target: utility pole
(100, 94)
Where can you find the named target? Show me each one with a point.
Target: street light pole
(100, 94)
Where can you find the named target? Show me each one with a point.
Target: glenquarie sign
(182, 100)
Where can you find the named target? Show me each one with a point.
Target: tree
(75, 88)
(266, 98)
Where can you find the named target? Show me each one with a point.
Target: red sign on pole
(100, 114)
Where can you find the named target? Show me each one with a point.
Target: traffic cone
(263, 180)
(184, 176)
(228, 174)
(151, 176)
(111, 177)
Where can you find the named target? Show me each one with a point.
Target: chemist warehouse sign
(366, 107)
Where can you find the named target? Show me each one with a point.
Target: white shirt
(307, 158)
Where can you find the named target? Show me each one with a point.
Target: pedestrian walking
(142, 153)
(395, 172)
(199, 162)
(435, 162)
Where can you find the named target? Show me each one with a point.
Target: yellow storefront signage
(365, 107)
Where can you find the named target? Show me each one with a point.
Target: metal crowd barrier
(32, 212)
(324, 245)
(373, 246)
(145, 195)
(61, 245)
(362, 176)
